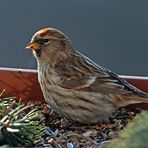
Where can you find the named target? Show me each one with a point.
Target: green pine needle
(19, 123)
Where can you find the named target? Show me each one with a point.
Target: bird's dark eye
(45, 40)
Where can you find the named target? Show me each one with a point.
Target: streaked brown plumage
(73, 85)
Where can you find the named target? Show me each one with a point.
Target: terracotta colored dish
(22, 83)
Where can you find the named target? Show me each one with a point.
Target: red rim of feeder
(23, 83)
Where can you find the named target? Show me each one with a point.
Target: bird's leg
(67, 127)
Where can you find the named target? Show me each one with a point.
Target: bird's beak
(34, 46)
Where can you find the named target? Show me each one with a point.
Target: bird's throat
(38, 52)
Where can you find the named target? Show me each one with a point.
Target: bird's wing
(80, 73)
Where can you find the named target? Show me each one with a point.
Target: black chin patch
(38, 52)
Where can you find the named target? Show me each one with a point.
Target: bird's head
(48, 43)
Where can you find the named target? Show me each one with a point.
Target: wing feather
(80, 73)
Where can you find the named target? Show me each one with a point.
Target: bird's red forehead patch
(43, 32)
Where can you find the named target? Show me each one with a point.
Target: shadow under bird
(73, 85)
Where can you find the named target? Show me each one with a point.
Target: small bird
(73, 85)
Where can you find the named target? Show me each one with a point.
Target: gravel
(61, 133)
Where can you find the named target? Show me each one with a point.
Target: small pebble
(51, 141)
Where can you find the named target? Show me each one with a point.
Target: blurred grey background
(113, 33)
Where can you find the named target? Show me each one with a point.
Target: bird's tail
(131, 98)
